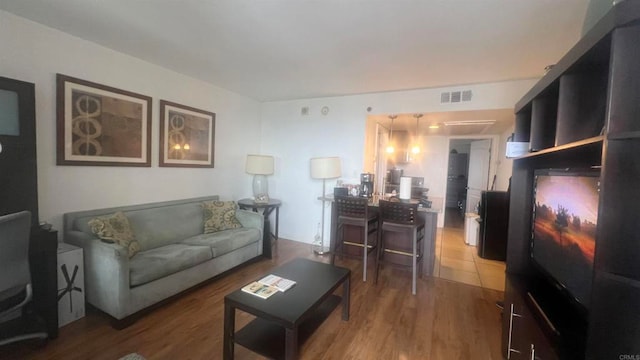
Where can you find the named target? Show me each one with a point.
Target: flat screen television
(565, 218)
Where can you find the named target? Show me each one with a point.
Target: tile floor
(460, 262)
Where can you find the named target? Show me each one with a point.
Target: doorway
(457, 256)
(457, 175)
(467, 176)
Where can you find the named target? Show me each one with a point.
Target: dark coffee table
(286, 319)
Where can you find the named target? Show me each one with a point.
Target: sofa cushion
(219, 216)
(164, 225)
(115, 228)
(223, 242)
(156, 263)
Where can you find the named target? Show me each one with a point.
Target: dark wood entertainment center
(584, 113)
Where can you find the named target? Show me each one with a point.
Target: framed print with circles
(101, 125)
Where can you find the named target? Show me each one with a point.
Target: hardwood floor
(445, 320)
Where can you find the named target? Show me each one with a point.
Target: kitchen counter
(437, 203)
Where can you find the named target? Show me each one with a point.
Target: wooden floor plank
(445, 320)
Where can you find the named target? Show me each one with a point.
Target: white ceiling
(290, 49)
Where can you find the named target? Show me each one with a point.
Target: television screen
(564, 228)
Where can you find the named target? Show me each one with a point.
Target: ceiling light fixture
(416, 146)
(434, 126)
(469, 122)
(390, 148)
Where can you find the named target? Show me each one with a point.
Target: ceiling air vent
(455, 96)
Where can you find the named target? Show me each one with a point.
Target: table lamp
(260, 166)
(324, 168)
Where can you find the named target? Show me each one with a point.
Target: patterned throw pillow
(219, 215)
(115, 228)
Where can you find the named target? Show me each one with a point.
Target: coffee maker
(366, 185)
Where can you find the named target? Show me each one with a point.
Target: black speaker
(522, 132)
(543, 123)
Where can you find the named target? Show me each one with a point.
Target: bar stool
(354, 211)
(397, 218)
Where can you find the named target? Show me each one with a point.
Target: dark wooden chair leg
(365, 242)
(335, 245)
(379, 250)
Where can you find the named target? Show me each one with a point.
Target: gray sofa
(174, 253)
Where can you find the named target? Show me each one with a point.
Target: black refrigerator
(494, 223)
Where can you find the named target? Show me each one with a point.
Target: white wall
(294, 138)
(430, 163)
(34, 53)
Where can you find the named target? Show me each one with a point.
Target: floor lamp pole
(321, 250)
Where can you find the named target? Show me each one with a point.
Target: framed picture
(101, 125)
(186, 136)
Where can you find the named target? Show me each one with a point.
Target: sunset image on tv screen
(566, 214)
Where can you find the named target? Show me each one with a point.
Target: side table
(267, 209)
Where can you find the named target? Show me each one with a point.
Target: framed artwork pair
(98, 125)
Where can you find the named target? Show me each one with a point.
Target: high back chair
(354, 211)
(15, 280)
(400, 237)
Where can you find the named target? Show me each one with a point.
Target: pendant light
(416, 146)
(390, 148)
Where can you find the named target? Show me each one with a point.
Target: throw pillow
(115, 228)
(219, 215)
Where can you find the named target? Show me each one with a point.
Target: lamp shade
(259, 164)
(325, 167)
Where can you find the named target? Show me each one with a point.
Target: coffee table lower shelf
(268, 338)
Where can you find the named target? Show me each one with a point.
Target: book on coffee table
(260, 290)
(278, 282)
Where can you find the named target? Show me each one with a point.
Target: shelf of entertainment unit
(627, 135)
(551, 325)
(533, 303)
(583, 113)
(573, 145)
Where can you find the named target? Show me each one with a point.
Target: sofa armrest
(106, 272)
(250, 219)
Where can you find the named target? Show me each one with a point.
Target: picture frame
(98, 125)
(187, 136)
